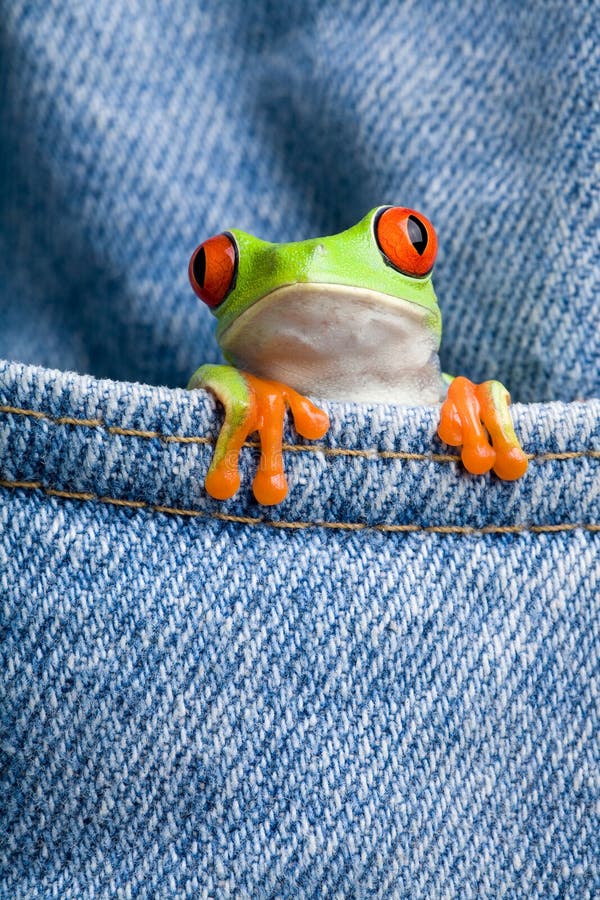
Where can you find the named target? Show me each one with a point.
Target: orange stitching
(290, 448)
(250, 520)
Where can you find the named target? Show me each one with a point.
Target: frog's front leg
(477, 417)
(254, 404)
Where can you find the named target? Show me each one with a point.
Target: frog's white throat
(339, 343)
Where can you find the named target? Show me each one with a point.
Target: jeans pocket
(385, 686)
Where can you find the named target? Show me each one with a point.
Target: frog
(347, 317)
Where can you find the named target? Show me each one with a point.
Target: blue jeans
(387, 686)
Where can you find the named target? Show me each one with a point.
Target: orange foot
(254, 404)
(494, 446)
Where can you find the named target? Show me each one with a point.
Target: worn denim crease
(387, 687)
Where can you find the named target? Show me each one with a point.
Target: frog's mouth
(340, 342)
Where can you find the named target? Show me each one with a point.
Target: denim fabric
(387, 686)
(382, 466)
(131, 131)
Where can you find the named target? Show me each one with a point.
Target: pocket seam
(368, 453)
(464, 530)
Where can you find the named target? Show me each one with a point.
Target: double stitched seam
(253, 520)
(369, 453)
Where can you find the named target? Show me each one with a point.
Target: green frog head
(352, 316)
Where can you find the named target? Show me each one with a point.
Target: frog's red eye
(407, 240)
(213, 268)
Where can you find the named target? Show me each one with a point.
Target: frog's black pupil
(199, 267)
(417, 234)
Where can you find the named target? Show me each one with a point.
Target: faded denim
(388, 685)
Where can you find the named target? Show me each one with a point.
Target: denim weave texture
(131, 133)
(211, 705)
(387, 686)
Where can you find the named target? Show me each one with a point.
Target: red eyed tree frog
(353, 317)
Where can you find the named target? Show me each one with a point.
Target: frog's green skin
(334, 318)
(330, 317)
